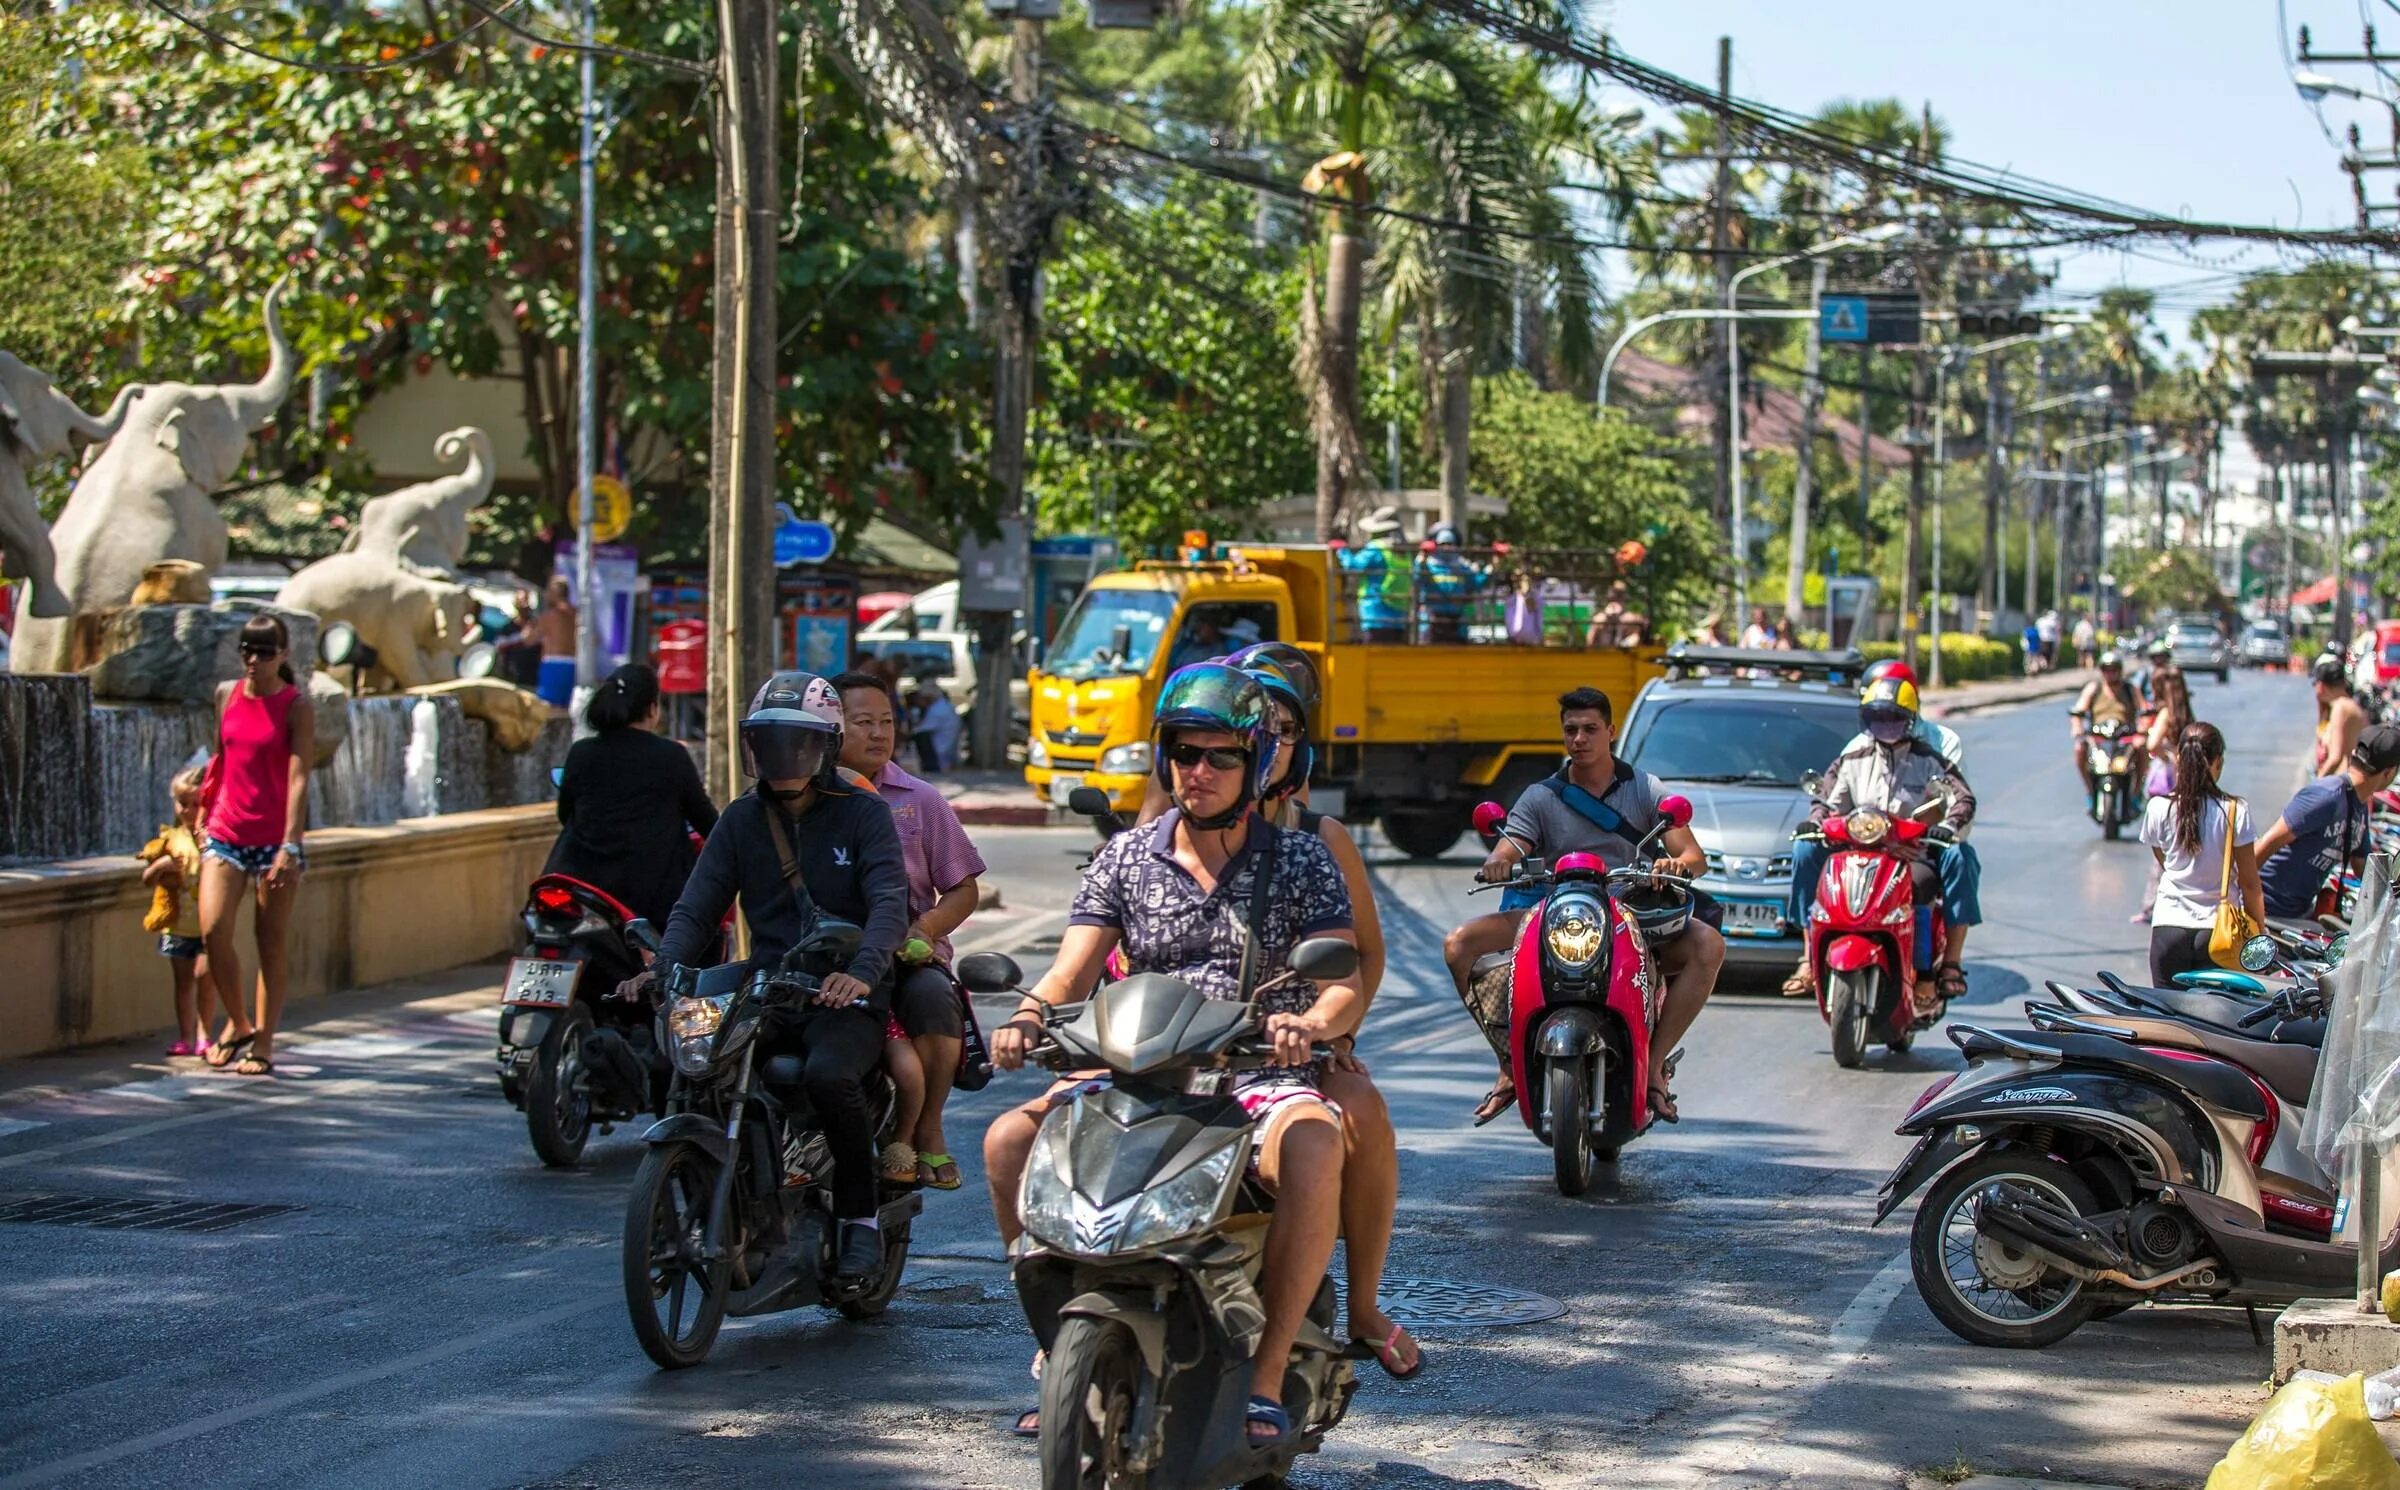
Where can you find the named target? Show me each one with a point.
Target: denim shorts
(181, 948)
(251, 861)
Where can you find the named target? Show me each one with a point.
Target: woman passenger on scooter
(629, 801)
(1180, 896)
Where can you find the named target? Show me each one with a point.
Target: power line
(337, 69)
(597, 49)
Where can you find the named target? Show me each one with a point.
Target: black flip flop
(1481, 1116)
(230, 1050)
(1028, 1423)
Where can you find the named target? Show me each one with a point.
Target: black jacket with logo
(849, 855)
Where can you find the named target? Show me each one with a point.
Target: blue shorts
(250, 861)
(556, 681)
(181, 948)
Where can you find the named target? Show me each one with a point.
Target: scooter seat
(2222, 1013)
(1490, 963)
(2215, 1084)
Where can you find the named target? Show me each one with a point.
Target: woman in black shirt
(629, 801)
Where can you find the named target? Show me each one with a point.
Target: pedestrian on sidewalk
(934, 727)
(2045, 627)
(555, 628)
(172, 871)
(930, 1014)
(2087, 641)
(2207, 857)
(257, 805)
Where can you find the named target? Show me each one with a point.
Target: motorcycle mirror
(990, 972)
(1676, 809)
(2258, 954)
(1813, 783)
(1322, 959)
(2338, 948)
(642, 934)
(1089, 801)
(1488, 818)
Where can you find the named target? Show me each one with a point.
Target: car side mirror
(643, 935)
(990, 972)
(1089, 801)
(1322, 959)
(1676, 809)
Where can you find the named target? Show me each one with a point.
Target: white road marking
(18, 1125)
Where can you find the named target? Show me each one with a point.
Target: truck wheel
(1424, 832)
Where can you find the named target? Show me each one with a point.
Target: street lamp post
(1733, 384)
(1608, 364)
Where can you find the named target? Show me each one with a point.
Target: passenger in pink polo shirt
(928, 1007)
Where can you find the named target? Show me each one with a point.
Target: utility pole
(1804, 480)
(1720, 245)
(1995, 492)
(1024, 228)
(587, 372)
(1866, 455)
(1912, 546)
(741, 464)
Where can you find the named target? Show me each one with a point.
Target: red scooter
(1584, 993)
(1869, 942)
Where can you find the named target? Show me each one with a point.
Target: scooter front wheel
(675, 1298)
(1569, 1082)
(1090, 1383)
(1850, 1009)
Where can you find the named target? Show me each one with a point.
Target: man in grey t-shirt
(1545, 824)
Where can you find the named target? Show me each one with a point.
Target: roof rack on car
(1684, 660)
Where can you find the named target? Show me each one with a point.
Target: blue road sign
(1842, 318)
(798, 541)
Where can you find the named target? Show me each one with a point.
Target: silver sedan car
(2200, 647)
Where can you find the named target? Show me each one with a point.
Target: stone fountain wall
(49, 791)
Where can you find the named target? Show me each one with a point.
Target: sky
(2183, 107)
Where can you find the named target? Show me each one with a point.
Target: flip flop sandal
(1028, 1423)
(1273, 1416)
(226, 1052)
(937, 1171)
(899, 1163)
(1799, 986)
(1387, 1350)
(1662, 1103)
(1951, 982)
(183, 1048)
(255, 1065)
(1498, 1100)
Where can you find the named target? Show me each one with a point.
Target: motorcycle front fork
(720, 1204)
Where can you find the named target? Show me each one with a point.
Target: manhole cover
(131, 1213)
(1436, 1303)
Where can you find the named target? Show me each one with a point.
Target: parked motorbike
(1869, 941)
(2116, 798)
(572, 1055)
(1144, 1244)
(2082, 1168)
(1584, 994)
(732, 1208)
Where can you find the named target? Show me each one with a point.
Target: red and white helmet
(793, 731)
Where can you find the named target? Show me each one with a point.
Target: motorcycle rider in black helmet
(805, 837)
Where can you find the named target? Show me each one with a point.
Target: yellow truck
(1413, 732)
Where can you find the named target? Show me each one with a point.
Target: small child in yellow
(173, 876)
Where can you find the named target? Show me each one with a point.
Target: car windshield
(917, 659)
(2191, 636)
(1762, 739)
(1111, 632)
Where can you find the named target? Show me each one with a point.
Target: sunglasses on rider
(259, 649)
(1219, 757)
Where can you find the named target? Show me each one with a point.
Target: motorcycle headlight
(692, 1025)
(1128, 760)
(1046, 1203)
(1182, 1205)
(1036, 753)
(1868, 827)
(1573, 933)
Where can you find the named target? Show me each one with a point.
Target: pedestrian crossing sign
(1842, 318)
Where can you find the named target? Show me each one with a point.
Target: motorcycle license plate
(1752, 918)
(541, 982)
(1063, 787)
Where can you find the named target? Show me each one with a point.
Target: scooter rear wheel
(1983, 1291)
(558, 1096)
(1090, 1383)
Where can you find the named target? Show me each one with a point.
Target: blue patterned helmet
(1216, 696)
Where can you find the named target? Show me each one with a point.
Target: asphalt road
(437, 1309)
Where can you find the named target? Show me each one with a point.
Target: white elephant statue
(37, 422)
(150, 494)
(425, 526)
(416, 624)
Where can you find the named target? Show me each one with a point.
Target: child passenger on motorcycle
(800, 842)
(1178, 896)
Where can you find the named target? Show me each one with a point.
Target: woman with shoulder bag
(2208, 888)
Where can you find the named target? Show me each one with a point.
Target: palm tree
(1366, 82)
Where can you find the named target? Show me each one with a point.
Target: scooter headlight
(1046, 1203)
(1574, 933)
(692, 1025)
(1182, 1205)
(1868, 827)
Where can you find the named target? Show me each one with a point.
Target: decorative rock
(180, 653)
(330, 705)
(517, 716)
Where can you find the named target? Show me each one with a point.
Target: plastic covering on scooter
(2356, 1100)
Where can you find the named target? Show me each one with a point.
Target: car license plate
(1063, 787)
(1752, 918)
(542, 982)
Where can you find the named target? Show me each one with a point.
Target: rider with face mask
(801, 842)
(1895, 771)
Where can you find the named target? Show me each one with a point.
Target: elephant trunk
(106, 425)
(257, 402)
(476, 446)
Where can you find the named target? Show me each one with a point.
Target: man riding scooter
(1896, 772)
(1596, 804)
(2107, 699)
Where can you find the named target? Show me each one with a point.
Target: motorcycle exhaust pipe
(2017, 1219)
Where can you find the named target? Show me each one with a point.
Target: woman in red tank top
(256, 811)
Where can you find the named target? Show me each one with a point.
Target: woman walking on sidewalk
(2201, 837)
(257, 805)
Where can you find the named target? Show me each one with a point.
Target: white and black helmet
(793, 731)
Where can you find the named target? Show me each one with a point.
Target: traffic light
(1998, 318)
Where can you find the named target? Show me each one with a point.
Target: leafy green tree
(1166, 371)
(66, 238)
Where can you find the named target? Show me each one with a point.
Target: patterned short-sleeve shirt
(1169, 925)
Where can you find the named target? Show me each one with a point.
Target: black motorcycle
(573, 1055)
(2117, 799)
(732, 1209)
(1144, 1244)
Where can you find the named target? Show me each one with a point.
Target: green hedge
(1965, 659)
